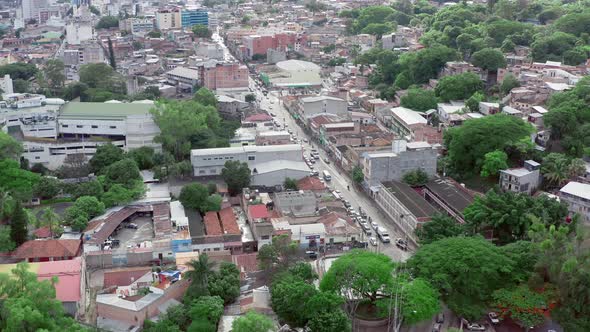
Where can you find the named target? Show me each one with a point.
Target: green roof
(77, 110)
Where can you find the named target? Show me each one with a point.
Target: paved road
(339, 181)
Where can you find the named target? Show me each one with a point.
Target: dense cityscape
(295, 165)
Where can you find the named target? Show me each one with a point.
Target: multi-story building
(411, 125)
(404, 157)
(188, 18)
(259, 44)
(216, 75)
(184, 77)
(136, 25)
(577, 196)
(85, 53)
(296, 203)
(6, 84)
(30, 8)
(523, 179)
(168, 19)
(310, 106)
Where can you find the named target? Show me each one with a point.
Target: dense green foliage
(252, 321)
(419, 100)
(99, 82)
(415, 178)
(107, 22)
(201, 31)
(458, 87)
(237, 176)
(439, 227)
(196, 196)
(493, 163)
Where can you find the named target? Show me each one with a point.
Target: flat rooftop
(413, 201)
(455, 197)
(103, 111)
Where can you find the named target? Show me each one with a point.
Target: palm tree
(199, 274)
(555, 168)
(577, 167)
(50, 219)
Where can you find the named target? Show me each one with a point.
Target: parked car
(373, 240)
(440, 318)
(311, 254)
(326, 160)
(316, 156)
(365, 226)
(347, 204)
(437, 327)
(374, 225)
(476, 327)
(494, 317)
(401, 243)
(131, 225)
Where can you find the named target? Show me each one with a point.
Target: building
(273, 138)
(410, 125)
(208, 50)
(310, 106)
(403, 205)
(6, 84)
(306, 235)
(523, 179)
(207, 162)
(48, 250)
(168, 19)
(184, 77)
(79, 30)
(85, 53)
(340, 229)
(296, 203)
(137, 25)
(404, 157)
(577, 196)
(31, 8)
(293, 74)
(449, 196)
(260, 44)
(81, 127)
(394, 40)
(227, 76)
(188, 18)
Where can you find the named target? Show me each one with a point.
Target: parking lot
(130, 237)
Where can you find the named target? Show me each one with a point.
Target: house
(411, 125)
(487, 108)
(402, 158)
(48, 250)
(524, 179)
(577, 196)
(340, 229)
(296, 203)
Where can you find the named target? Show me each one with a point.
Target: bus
(327, 176)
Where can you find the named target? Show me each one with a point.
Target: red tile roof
(124, 277)
(212, 225)
(246, 262)
(310, 183)
(42, 232)
(259, 117)
(48, 248)
(258, 211)
(228, 221)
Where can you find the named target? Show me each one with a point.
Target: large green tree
(468, 144)
(124, 172)
(493, 163)
(193, 195)
(465, 270)
(237, 176)
(225, 283)
(458, 87)
(9, 147)
(47, 187)
(16, 181)
(489, 59)
(201, 31)
(104, 156)
(18, 225)
(419, 100)
(205, 97)
(253, 321)
(439, 227)
(6, 242)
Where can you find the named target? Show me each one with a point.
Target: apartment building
(188, 18)
(577, 196)
(137, 25)
(85, 53)
(310, 106)
(225, 76)
(259, 44)
(168, 19)
(403, 157)
(524, 179)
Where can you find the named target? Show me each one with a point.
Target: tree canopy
(237, 176)
(419, 100)
(458, 87)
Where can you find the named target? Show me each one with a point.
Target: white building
(183, 76)
(168, 19)
(310, 106)
(78, 31)
(30, 8)
(6, 84)
(270, 164)
(295, 73)
(577, 196)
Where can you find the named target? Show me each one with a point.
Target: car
(316, 156)
(476, 327)
(494, 318)
(314, 151)
(312, 161)
(327, 161)
(311, 254)
(401, 243)
(440, 318)
(337, 191)
(373, 240)
(374, 225)
(437, 327)
(131, 225)
(273, 115)
(367, 232)
(106, 248)
(366, 226)
(305, 140)
(347, 204)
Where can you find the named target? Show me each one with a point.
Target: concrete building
(577, 196)
(168, 19)
(410, 125)
(6, 84)
(273, 138)
(523, 179)
(79, 30)
(137, 25)
(403, 157)
(85, 53)
(30, 8)
(292, 74)
(188, 18)
(394, 40)
(310, 106)
(403, 205)
(260, 44)
(296, 203)
(208, 50)
(184, 77)
(227, 76)
(207, 162)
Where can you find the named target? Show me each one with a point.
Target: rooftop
(103, 111)
(185, 72)
(258, 211)
(279, 165)
(408, 116)
(212, 225)
(577, 189)
(245, 149)
(48, 248)
(319, 98)
(413, 201)
(452, 195)
(228, 221)
(520, 171)
(292, 65)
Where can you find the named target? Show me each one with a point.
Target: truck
(383, 235)
(327, 175)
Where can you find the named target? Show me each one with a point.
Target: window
(202, 171)
(79, 126)
(64, 125)
(251, 157)
(265, 237)
(94, 126)
(213, 171)
(37, 158)
(113, 127)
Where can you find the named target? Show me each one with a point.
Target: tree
(357, 174)
(444, 263)
(18, 225)
(287, 296)
(212, 203)
(493, 163)
(89, 188)
(193, 196)
(290, 184)
(103, 83)
(47, 187)
(199, 276)
(54, 72)
(237, 176)
(124, 172)
(118, 195)
(16, 181)
(83, 209)
(489, 59)
(419, 100)
(205, 313)
(107, 22)
(19, 70)
(415, 178)
(105, 155)
(509, 215)
(201, 31)
(253, 321)
(574, 23)
(6, 242)
(473, 102)
(9, 147)
(205, 97)
(555, 168)
(510, 82)
(279, 254)
(94, 10)
(250, 98)
(155, 34)
(468, 144)
(225, 283)
(112, 61)
(523, 305)
(30, 305)
(458, 87)
(143, 157)
(439, 227)
(52, 220)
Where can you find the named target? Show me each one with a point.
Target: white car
(476, 327)
(494, 318)
(374, 225)
(373, 240)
